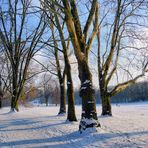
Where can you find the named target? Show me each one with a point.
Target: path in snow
(40, 127)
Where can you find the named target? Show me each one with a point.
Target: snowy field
(40, 127)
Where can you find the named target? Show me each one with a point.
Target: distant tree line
(133, 93)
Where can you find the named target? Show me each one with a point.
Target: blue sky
(92, 58)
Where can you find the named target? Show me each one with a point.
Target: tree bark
(1, 93)
(0, 102)
(15, 95)
(71, 116)
(87, 93)
(106, 105)
(70, 91)
(46, 100)
(14, 104)
(59, 74)
(105, 96)
(62, 98)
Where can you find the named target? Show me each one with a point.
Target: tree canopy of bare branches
(20, 39)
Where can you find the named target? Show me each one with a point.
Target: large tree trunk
(106, 105)
(81, 49)
(87, 93)
(71, 116)
(62, 98)
(15, 95)
(14, 103)
(105, 96)
(0, 102)
(1, 94)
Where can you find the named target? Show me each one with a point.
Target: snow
(90, 102)
(83, 88)
(86, 121)
(86, 81)
(40, 127)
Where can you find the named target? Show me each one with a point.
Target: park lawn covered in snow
(40, 127)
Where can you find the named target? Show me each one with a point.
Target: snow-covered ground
(40, 127)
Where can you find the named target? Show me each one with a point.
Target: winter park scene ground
(40, 127)
(73, 73)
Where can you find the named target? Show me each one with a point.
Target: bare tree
(5, 75)
(46, 88)
(70, 90)
(55, 68)
(60, 74)
(81, 44)
(20, 40)
(55, 94)
(121, 51)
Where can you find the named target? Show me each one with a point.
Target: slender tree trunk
(70, 92)
(106, 105)
(46, 100)
(87, 93)
(71, 116)
(62, 97)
